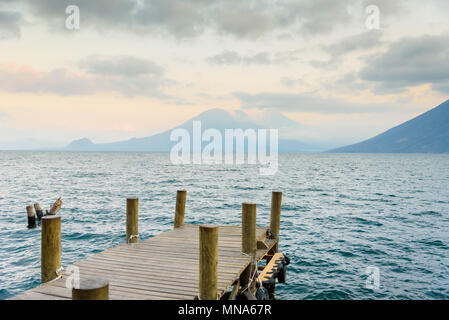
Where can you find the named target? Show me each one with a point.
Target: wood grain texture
(164, 267)
(275, 220)
(91, 289)
(180, 208)
(132, 220)
(208, 255)
(50, 247)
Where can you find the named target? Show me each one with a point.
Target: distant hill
(81, 144)
(427, 133)
(214, 118)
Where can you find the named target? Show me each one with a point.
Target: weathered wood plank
(162, 267)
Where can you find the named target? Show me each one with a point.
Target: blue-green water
(341, 214)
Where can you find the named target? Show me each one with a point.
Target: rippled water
(341, 214)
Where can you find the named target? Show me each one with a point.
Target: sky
(136, 67)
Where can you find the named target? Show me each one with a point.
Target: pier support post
(275, 220)
(180, 208)
(50, 248)
(208, 284)
(91, 289)
(249, 242)
(275, 227)
(132, 220)
(31, 217)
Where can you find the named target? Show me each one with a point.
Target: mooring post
(208, 284)
(275, 219)
(132, 222)
(31, 217)
(91, 289)
(249, 242)
(50, 248)
(180, 208)
(39, 212)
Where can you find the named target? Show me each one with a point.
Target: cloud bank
(189, 18)
(127, 75)
(305, 103)
(10, 25)
(409, 62)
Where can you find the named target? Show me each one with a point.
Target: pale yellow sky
(57, 85)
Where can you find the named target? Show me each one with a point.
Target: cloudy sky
(137, 67)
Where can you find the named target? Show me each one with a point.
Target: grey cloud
(229, 57)
(100, 11)
(323, 16)
(120, 66)
(187, 18)
(361, 42)
(291, 82)
(58, 81)
(410, 62)
(10, 25)
(349, 81)
(318, 16)
(64, 82)
(181, 18)
(245, 19)
(304, 103)
(442, 87)
(232, 57)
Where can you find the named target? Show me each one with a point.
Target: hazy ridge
(426, 133)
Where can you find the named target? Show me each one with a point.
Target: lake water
(341, 214)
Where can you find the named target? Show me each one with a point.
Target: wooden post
(31, 217)
(249, 242)
(132, 213)
(50, 248)
(180, 208)
(208, 284)
(39, 212)
(275, 220)
(91, 289)
(275, 227)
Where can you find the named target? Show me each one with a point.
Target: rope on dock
(59, 270)
(58, 273)
(254, 262)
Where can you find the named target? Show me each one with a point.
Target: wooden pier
(189, 262)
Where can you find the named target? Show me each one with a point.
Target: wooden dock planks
(162, 267)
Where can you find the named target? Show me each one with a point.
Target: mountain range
(215, 118)
(426, 133)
